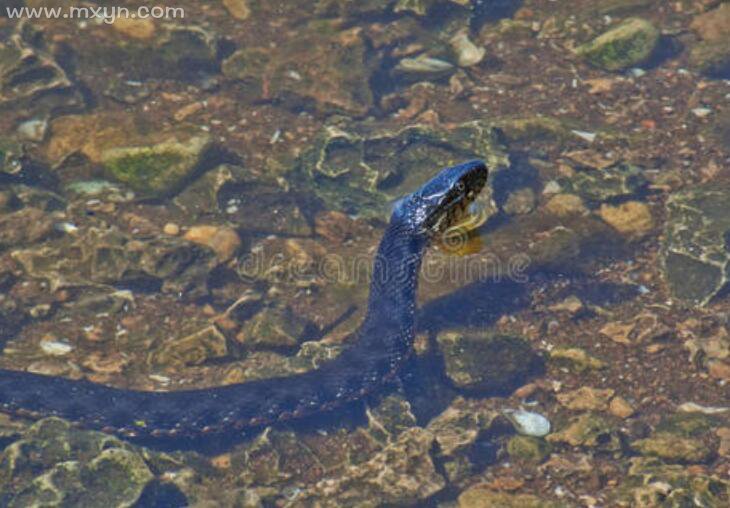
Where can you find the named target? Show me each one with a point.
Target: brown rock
(336, 227)
(239, 9)
(136, 28)
(620, 407)
(632, 219)
(586, 398)
(563, 205)
(719, 369)
(221, 239)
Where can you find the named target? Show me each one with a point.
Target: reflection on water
(195, 201)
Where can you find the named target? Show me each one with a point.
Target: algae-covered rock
(528, 449)
(618, 181)
(193, 349)
(155, 170)
(629, 44)
(650, 482)
(576, 359)
(589, 430)
(697, 242)
(359, 171)
(62, 466)
(486, 362)
(673, 448)
(10, 152)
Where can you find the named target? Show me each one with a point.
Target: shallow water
(194, 199)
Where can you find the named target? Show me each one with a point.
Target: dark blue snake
(383, 342)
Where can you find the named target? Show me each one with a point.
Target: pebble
(33, 130)
(701, 112)
(223, 240)
(620, 407)
(55, 347)
(632, 219)
(467, 52)
(528, 423)
(171, 229)
(691, 407)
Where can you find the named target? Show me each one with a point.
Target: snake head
(443, 200)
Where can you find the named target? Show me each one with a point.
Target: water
(194, 200)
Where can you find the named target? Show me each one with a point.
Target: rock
(64, 467)
(576, 358)
(239, 9)
(155, 170)
(528, 449)
(10, 152)
(402, 473)
(620, 181)
(221, 239)
(273, 327)
(650, 482)
(24, 227)
(711, 56)
(511, 360)
(629, 44)
(194, 349)
(586, 398)
(467, 53)
(620, 407)
(563, 205)
(673, 448)
(321, 68)
(422, 68)
(33, 130)
(529, 423)
(171, 229)
(696, 250)
(520, 202)
(359, 171)
(589, 430)
(136, 28)
(336, 227)
(169, 51)
(632, 218)
(31, 77)
(485, 497)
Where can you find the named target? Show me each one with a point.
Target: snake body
(383, 342)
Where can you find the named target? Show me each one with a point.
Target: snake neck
(389, 323)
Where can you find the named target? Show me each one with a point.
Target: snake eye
(460, 186)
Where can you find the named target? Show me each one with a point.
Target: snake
(382, 344)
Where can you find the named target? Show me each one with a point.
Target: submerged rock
(673, 448)
(711, 56)
(322, 64)
(482, 496)
(629, 44)
(359, 171)
(511, 360)
(651, 482)
(158, 169)
(63, 466)
(697, 242)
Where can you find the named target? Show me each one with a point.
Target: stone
(586, 398)
(696, 247)
(156, 170)
(620, 407)
(223, 240)
(511, 360)
(24, 227)
(485, 497)
(589, 430)
(136, 28)
(273, 327)
(467, 53)
(528, 449)
(629, 44)
(711, 56)
(194, 349)
(673, 448)
(632, 219)
(322, 68)
(402, 473)
(528, 423)
(64, 466)
(239, 9)
(575, 358)
(620, 181)
(563, 205)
